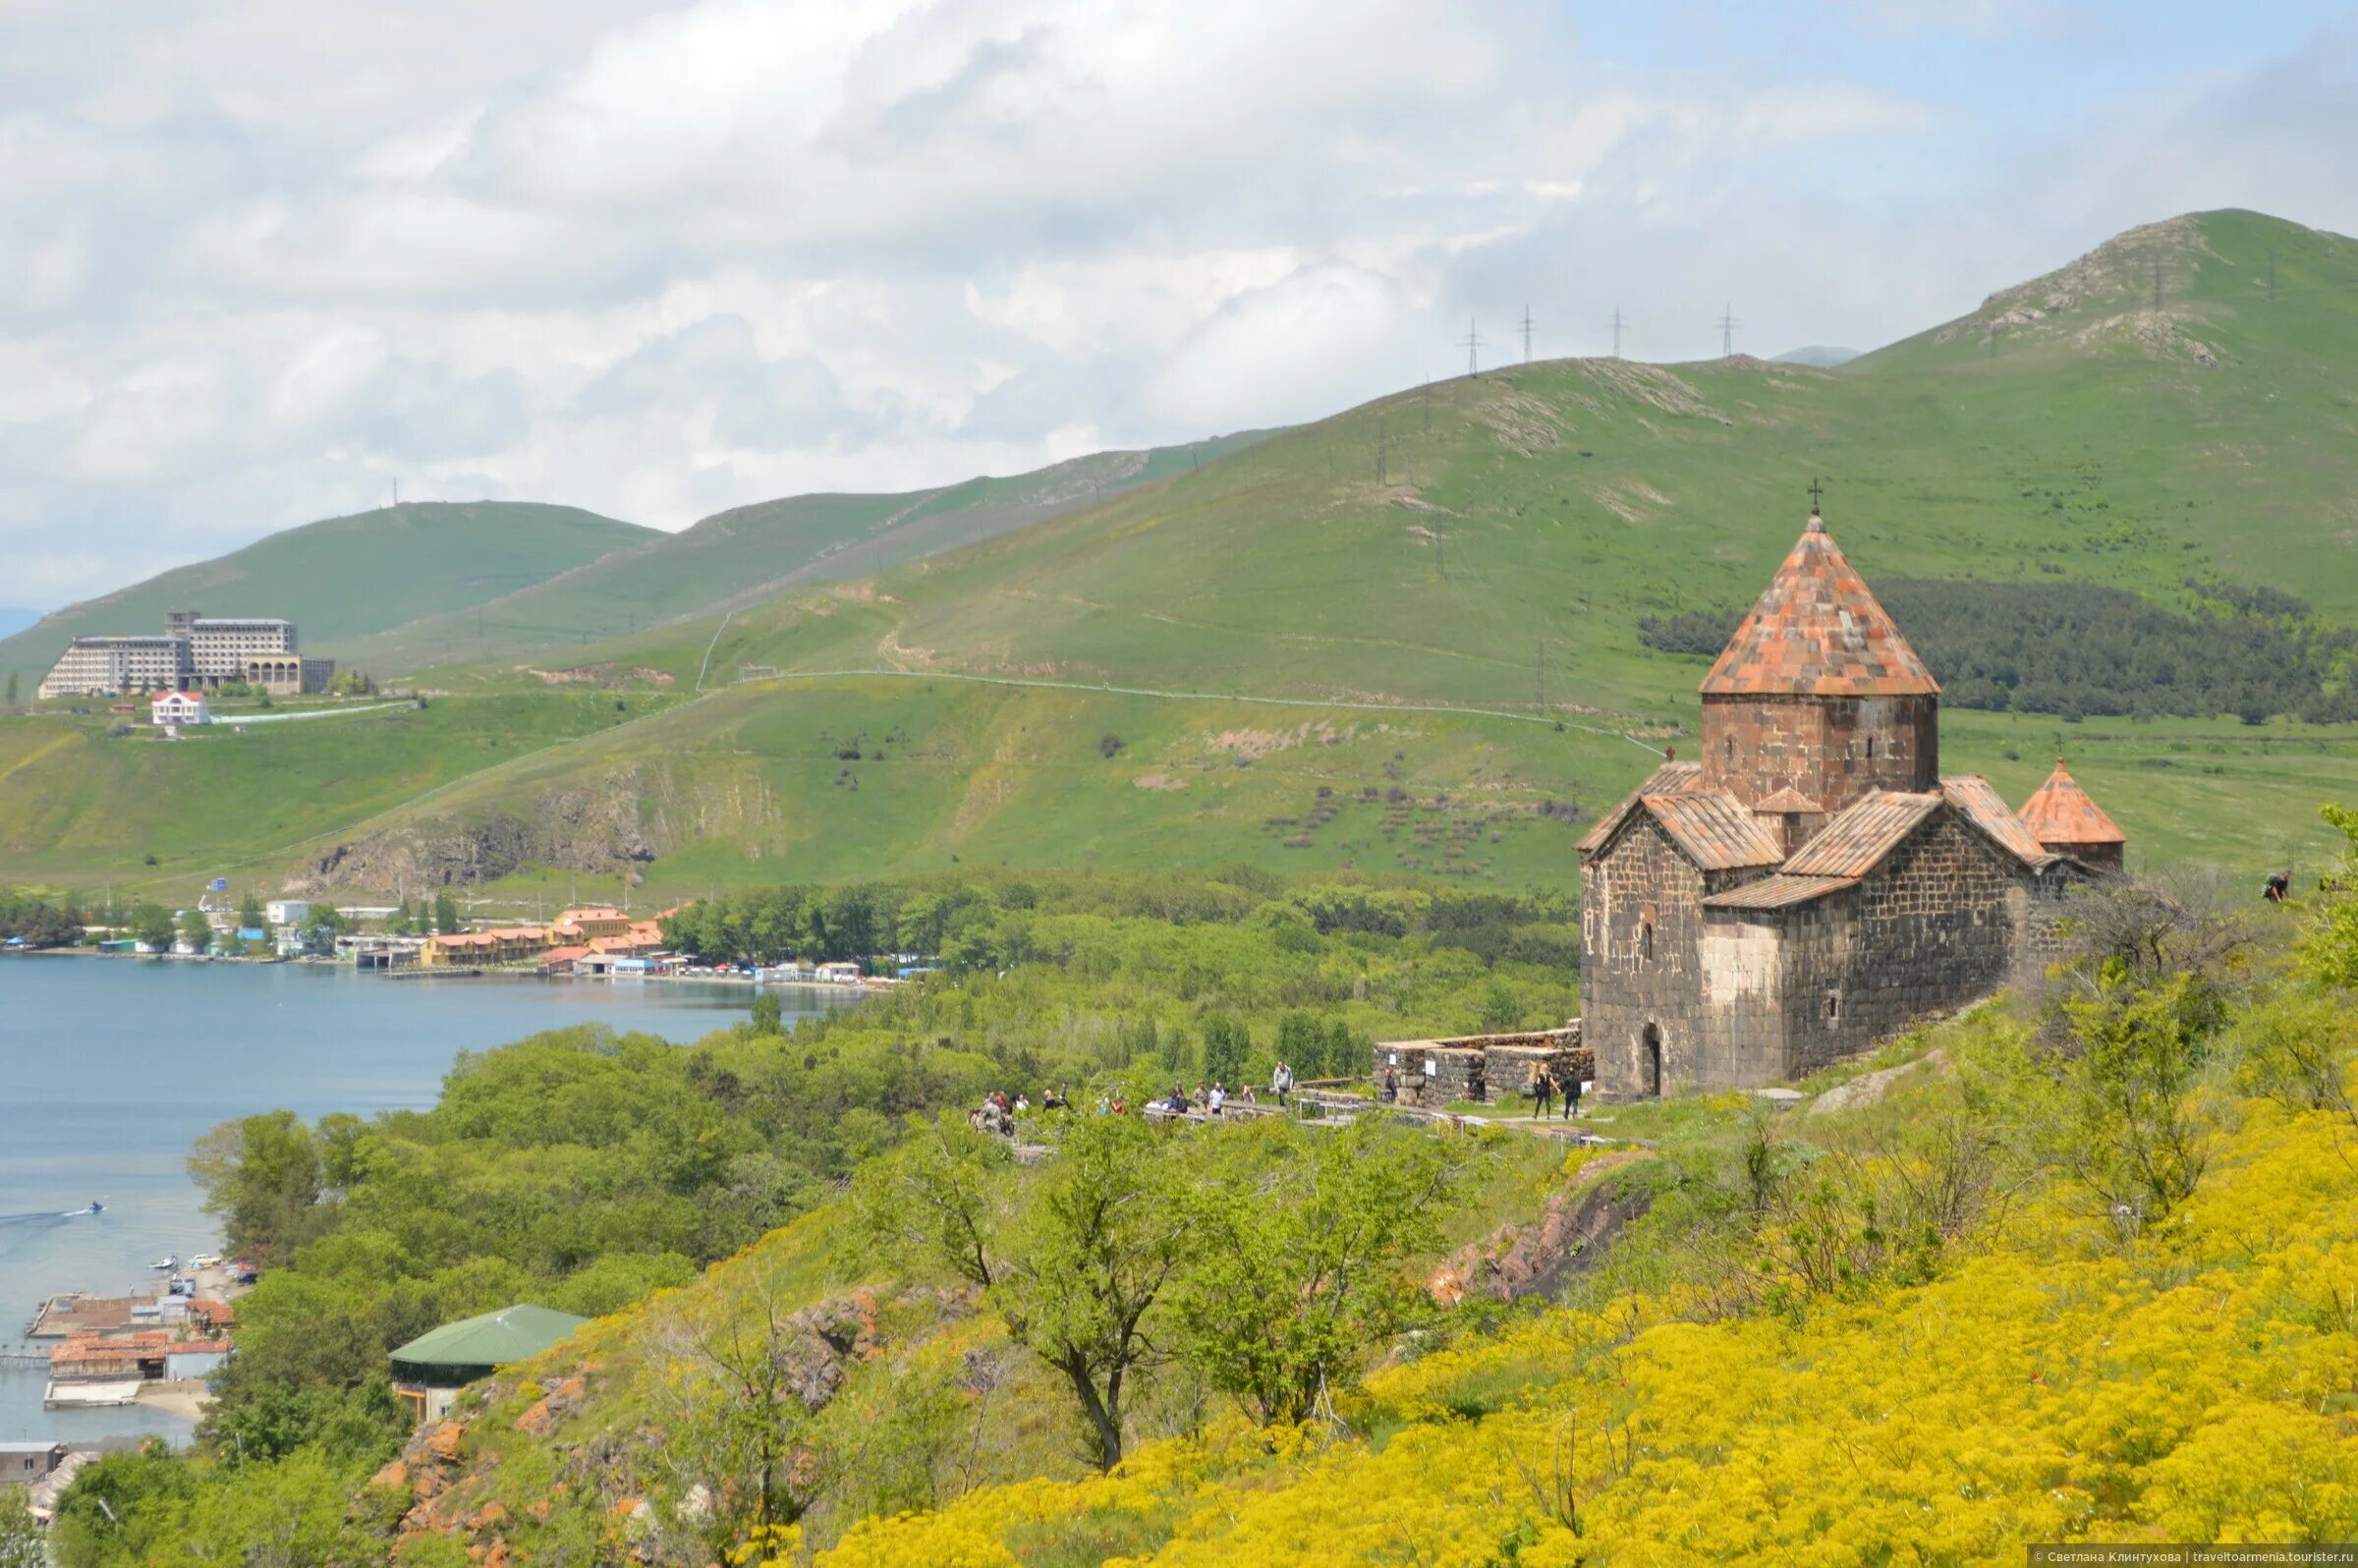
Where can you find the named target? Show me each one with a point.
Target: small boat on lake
(166, 1263)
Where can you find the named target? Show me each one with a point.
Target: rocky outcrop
(1539, 1260)
(593, 829)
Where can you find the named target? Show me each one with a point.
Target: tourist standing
(1573, 1088)
(1281, 1081)
(1543, 1090)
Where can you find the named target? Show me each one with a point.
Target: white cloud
(256, 259)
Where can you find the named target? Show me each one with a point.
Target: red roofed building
(1812, 885)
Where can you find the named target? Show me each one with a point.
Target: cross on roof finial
(1817, 492)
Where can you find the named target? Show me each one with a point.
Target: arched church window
(1869, 748)
(1645, 941)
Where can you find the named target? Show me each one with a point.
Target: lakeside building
(1813, 885)
(196, 653)
(22, 1463)
(430, 1370)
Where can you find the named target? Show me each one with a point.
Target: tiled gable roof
(1714, 831)
(1779, 891)
(2059, 811)
(1817, 631)
(1978, 800)
(1856, 841)
(1671, 778)
(1789, 800)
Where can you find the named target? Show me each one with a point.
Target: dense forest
(2078, 650)
(584, 1170)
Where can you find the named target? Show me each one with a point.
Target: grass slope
(348, 576)
(1461, 545)
(80, 806)
(754, 552)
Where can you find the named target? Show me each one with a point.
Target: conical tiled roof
(2059, 811)
(1817, 631)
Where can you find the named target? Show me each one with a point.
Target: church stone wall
(1930, 930)
(1833, 750)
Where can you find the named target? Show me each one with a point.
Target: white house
(181, 707)
(288, 911)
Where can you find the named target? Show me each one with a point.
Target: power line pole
(1727, 330)
(1618, 322)
(1527, 334)
(1472, 344)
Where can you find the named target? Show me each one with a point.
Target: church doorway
(1649, 1061)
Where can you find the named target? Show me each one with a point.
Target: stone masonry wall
(1930, 930)
(1833, 750)
(1639, 879)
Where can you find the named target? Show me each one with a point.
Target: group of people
(997, 1112)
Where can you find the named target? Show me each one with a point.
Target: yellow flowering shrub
(2048, 1387)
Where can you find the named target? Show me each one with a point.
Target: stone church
(1811, 884)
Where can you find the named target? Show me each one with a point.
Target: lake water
(111, 1068)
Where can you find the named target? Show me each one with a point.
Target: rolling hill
(347, 576)
(752, 553)
(1492, 544)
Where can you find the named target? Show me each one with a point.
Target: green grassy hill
(755, 552)
(348, 576)
(1491, 544)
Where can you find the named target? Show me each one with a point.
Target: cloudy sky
(259, 259)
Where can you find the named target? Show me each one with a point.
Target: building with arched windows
(195, 654)
(1812, 885)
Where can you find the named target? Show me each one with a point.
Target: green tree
(250, 913)
(1226, 1045)
(1076, 1256)
(1500, 1011)
(20, 1543)
(2330, 947)
(11, 689)
(2140, 1135)
(262, 1176)
(1298, 1245)
(196, 929)
(151, 926)
(768, 1016)
(446, 914)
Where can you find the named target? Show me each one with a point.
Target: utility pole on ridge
(1527, 334)
(1617, 323)
(1727, 331)
(1473, 343)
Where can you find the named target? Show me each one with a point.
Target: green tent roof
(513, 1333)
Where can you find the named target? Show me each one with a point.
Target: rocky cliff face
(593, 829)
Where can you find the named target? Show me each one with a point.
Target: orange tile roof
(1978, 800)
(1817, 630)
(1789, 802)
(2059, 811)
(1778, 891)
(1716, 832)
(1671, 778)
(1856, 841)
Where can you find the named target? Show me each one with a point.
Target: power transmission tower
(1727, 330)
(1473, 345)
(1617, 323)
(1527, 334)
